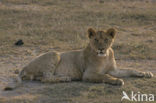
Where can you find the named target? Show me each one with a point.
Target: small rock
(19, 42)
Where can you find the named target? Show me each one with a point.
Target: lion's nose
(101, 49)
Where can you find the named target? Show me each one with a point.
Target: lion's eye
(106, 40)
(96, 40)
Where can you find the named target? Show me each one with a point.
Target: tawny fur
(95, 63)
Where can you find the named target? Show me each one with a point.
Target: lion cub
(95, 63)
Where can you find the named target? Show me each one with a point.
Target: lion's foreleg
(112, 80)
(105, 78)
(130, 73)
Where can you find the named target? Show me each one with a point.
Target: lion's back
(43, 63)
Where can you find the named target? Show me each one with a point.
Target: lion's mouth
(101, 54)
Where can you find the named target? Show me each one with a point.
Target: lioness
(95, 63)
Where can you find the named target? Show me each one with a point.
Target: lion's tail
(16, 83)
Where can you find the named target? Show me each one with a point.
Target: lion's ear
(91, 32)
(111, 32)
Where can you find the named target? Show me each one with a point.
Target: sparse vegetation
(61, 25)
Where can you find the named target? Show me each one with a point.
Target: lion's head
(100, 41)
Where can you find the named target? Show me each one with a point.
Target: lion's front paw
(148, 75)
(119, 82)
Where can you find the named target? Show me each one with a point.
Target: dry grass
(46, 25)
(63, 24)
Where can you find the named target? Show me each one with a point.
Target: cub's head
(100, 41)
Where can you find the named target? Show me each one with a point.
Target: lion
(95, 63)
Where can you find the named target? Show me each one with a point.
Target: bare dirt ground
(75, 92)
(61, 25)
